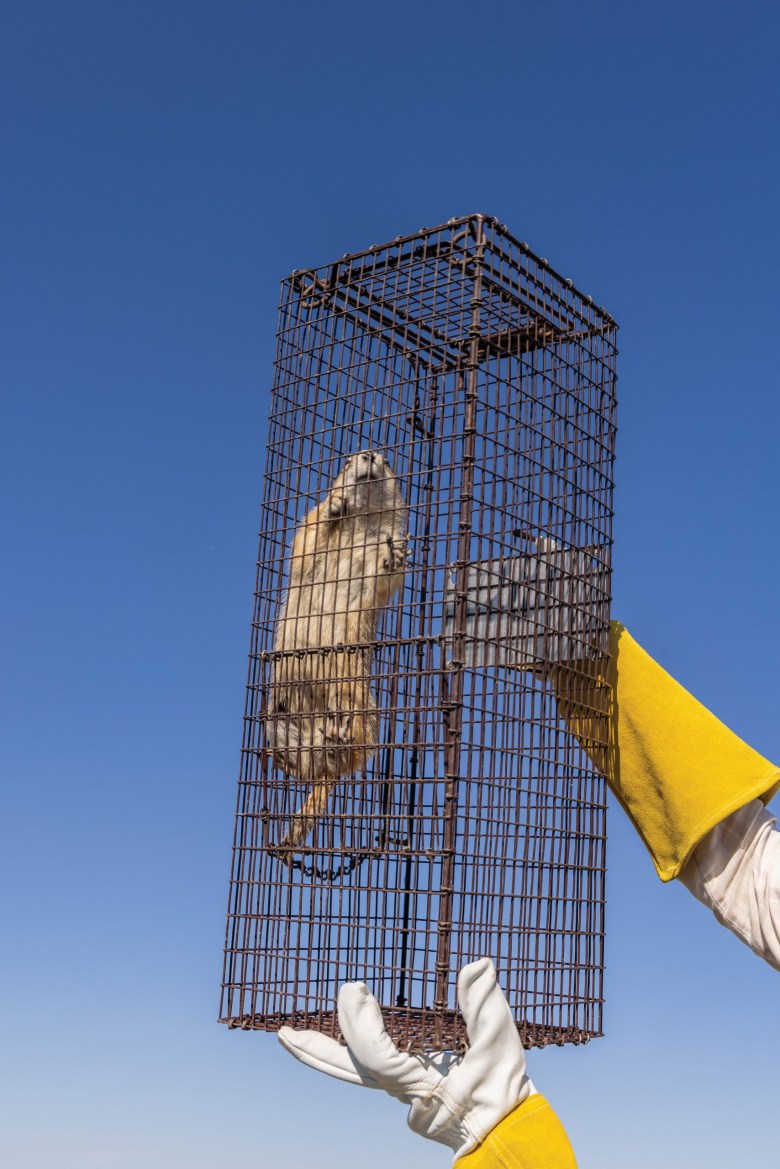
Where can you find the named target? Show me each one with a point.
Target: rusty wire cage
(455, 815)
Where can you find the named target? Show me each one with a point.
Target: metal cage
(466, 820)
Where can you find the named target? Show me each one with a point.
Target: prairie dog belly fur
(348, 561)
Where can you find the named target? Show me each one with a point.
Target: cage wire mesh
(435, 534)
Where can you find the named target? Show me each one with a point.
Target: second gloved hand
(454, 1101)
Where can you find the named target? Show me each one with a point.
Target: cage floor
(412, 1030)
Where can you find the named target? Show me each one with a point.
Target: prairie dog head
(365, 484)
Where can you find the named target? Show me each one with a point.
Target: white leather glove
(456, 1101)
(735, 872)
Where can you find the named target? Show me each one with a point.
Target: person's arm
(676, 769)
(735, 872)
(530, 1137)
(483, 1105)
(693, 789)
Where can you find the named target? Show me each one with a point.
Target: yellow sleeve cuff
(674, 767)
(530, 1137)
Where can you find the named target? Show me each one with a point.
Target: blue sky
(164, 165)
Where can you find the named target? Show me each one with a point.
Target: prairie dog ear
(337, 505)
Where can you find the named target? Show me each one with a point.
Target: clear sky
(163, 166)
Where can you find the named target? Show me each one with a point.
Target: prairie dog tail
(306, 818)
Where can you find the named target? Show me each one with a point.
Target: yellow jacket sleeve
(674, 767)
(530, 1137)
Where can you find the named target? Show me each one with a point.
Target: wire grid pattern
(478, 825)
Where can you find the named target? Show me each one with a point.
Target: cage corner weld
(432, 598)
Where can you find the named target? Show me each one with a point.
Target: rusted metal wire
(410, 798)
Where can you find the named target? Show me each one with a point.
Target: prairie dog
(348, 560)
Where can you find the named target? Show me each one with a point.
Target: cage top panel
(503, 254)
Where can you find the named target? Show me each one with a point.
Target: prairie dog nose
(369, 463)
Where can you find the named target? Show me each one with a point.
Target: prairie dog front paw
(398, 554)
(337, 506)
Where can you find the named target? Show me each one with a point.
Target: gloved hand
(454, 1101)
(674, 767)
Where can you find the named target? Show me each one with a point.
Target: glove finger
(489, 1023)
(372, 1048)
(324, 1055)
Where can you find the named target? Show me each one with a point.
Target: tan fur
(348, 561)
